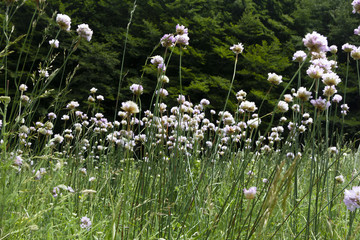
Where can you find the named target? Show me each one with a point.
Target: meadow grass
(186, 172)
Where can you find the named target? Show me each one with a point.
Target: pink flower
(250, 193)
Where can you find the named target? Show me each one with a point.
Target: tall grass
(170, 173)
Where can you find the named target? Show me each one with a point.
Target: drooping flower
(315, 42)
(320, 103)
(54, 43)
(237, 48)
(250, 193)
(275, 79)
(84, 31)
(64, 21)
(352, 198)
(299, 56)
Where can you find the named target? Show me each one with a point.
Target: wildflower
(100, 97)
(84, 31)
(43, 73)
(204, 102)
(333, 150)
(24, 98)
(85, 223)
(92, 179)
(331, 79)
(355, 53)
(356, 6)
(274, 78)
(93, 90)
(248, 106)
(283, 106)
(315, 42)
(333, 49)
(337, 98)
(130, 107)
(250, 193)
(352, 198)
(265, 180)
(72, 105)
(329, 91)
(136, 89)
(344, 109)
(54, 43)
(164, 79)
(314, 71)
(162, 67)
(182, 39)
(168, 40)
(237, 48)
(65, 117)
(254, 123)
(303, 94)
(156, 60)
(55, 191)
(162, 92)
(23, 88)
(340, 179)
(18, 161)
(64, 21)
(57, 138)
(320, 104)
(241, 95)
(83, 171)
(51, 116)
(347, 47)
(299, 56)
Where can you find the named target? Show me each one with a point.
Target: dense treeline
(271, 31)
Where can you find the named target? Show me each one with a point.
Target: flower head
(299, 56)
(356, 6)
(156, 60)
(315, 42)
(355, 53)
(320, 103)
(84, 31)
(168, 40)
(237, 48)
(283, 106)
(250, 193)
(182, 39)
(303, 94)
(352, 198)
(315, 71)
(136, 89)
(85, 222)
(54, 43)
(181, 29)
(337, 98)
(130, 107)
(347, 47)
(64, 21)
(329, 91)
(333, 49)
(275, 79)
(330, 79)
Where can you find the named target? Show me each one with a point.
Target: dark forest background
(271, 31)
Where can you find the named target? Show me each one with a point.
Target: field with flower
(283, 167)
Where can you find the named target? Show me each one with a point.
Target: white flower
(130, 107)
(274, 78)
(54, 43)
(330, 79)
(299, 56)
(237, 48)
(157, 60)
(84, 31)
(340, 179)
(248, 106)
(64, 21)
(283, 106)
(23, 87)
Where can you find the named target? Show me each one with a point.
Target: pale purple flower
(51, 116)
(64, 21)
(314, 71)
(136, 89)
(329, 91)
(85, 223)
(303, 94)
(315, 42)
(250, 193)
(344, 109)
(182, 39)
(237, 48)
(299, 56)
(72, 105)
(355, 53)
(357, 31)
(347, 47)
(162, 67)
(181, 29)
(320, 103)
(337, 98)
(356, 6)
(204, 102)
(55, 191)
(168, 40)
(54, 43)
(84, 31)
(331, 79)
(18, 161)
(352, 198)
(156, 60)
